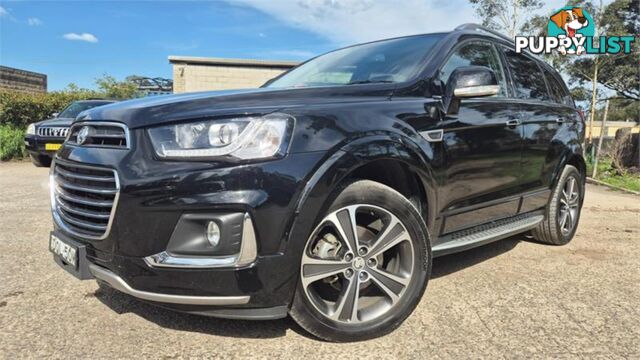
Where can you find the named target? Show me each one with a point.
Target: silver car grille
(83, 198)
(57, 132)
(99, 134)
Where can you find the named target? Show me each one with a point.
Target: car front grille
(99, 134)
(57, 132)
(84, 198)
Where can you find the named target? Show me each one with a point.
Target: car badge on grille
(83, 134)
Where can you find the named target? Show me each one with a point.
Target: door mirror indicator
(477, 91)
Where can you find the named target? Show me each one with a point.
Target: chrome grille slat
(84, 198)
(69, 197)
(111, 136)
(86, 213)
(81, 223)
(102, 134)
(65, 173)
(58, 132)
(92, 189)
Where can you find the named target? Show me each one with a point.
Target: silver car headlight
(31, 129)
(243, 138)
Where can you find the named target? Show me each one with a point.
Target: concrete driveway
(509, 299)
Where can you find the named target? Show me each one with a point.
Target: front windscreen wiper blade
(368, 82)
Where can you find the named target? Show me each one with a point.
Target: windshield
(387, 61)
(77, 107)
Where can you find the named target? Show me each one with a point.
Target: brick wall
(22, 80)
(204, 74)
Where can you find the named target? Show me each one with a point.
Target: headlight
(31, 129)
(239, 138)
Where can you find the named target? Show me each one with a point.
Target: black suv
(44, 138)
(326, 193)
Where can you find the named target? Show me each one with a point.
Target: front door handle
(513, 122)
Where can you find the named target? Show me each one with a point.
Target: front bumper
(155, 195)
(119, 284)
(216, 306)
(36, 145)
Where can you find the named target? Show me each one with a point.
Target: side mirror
(55, 115)
(470, 82)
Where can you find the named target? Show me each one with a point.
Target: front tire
(364, 267)
(563, 211)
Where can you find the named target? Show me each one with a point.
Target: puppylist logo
(571, 30)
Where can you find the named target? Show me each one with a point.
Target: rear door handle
(560, 120)
(513, 122)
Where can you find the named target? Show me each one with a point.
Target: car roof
(468, 28)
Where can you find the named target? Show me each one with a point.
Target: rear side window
(559, 92)
(478, 53)
(527, 77)
(554, 87)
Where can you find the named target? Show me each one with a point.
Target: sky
(78, 41)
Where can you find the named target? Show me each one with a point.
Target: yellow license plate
(52, 147)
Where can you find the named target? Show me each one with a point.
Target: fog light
(213, 233)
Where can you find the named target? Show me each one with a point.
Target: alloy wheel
(357, 264)
(569, 206)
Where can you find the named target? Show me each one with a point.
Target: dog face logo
(570, 20)
(574, 23)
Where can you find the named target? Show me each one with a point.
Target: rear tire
(563, 211)
(375, 288)
(40, 160)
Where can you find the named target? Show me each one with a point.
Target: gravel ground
(509, 299)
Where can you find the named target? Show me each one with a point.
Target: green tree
(619, 72)
(621, 109)
(508, 16)
(593, 77)
(114, 89)
(79, 92)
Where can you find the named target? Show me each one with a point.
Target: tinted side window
(567, 99)
(527, 77)
(479, 54)
(557, 91)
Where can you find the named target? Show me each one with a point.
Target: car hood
(62, 122)
(168, 108)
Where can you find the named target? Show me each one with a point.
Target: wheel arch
(580, 164)
(397, 175)
(570, 158)
(397, 163)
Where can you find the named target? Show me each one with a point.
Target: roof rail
(477, 27)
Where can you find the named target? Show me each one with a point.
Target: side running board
(484, 234)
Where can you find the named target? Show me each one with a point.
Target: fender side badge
(433, 135)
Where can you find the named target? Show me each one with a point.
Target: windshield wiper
(368, 82)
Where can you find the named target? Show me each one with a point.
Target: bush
(11, 142)
(19, 110)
